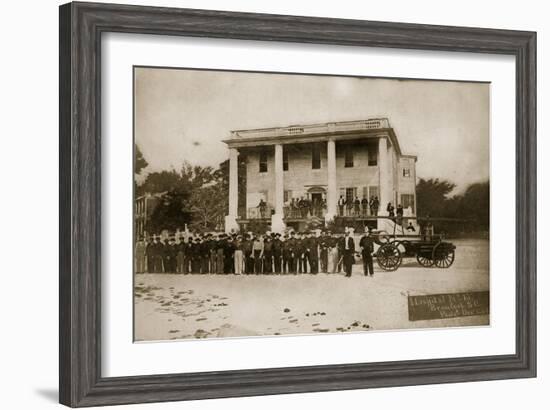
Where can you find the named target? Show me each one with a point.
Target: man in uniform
(163, 245)
(289, 253)
(312, 255)
(170, 252)
(246, 246)
(150, 255)
(323, 251)
(228, 258)
(205, 253)
(182, 261)
(277, 253)
(367, 248)
(220, 245)
(196, 255)
(212, 245)
(300, 253)
(268, 255)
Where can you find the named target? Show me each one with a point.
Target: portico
(351, 159)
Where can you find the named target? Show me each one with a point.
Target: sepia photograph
(271, 204)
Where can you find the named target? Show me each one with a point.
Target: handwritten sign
(448, 305)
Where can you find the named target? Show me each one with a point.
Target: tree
(431, 197)
(207, 209)
(140, 161)
(468, 211)
(474, 204)
(159, 182)
(170, 212)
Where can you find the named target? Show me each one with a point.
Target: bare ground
(171, 306)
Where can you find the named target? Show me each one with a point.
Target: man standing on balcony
(356, 206)
(341, 204)
(375, 206)
(262, 205)
(364, 206)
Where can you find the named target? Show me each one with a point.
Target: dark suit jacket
(351, 248)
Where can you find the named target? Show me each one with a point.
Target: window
(348, 157)
(407, 200)
(342, 192)
(263, 161)
(373, 191)
(287, 196)
(285, 159)
(315, 157)
(350, 195)
(406, 172)
(373, 157)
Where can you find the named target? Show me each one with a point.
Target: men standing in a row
(367, 248)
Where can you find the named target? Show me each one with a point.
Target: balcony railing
(293, 212)
(312, 129)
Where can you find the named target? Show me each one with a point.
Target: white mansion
(326, 164)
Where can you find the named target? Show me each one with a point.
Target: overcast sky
(184, 114)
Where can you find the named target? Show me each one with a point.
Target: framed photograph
(259, 204)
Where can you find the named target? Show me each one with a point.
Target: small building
(325, 164)
(143, 208)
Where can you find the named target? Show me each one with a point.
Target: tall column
(332, 198)
(277, 219)
(231, 219)
(384, 171)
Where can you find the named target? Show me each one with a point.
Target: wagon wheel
(443, 255)
(382, 237)
(424, 260)
(388, 257)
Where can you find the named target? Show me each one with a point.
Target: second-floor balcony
(305, 212)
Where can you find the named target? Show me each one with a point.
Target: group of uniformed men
(271, 253)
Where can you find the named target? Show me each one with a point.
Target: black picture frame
(81, 27)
